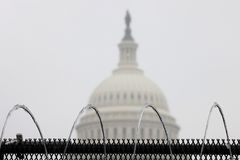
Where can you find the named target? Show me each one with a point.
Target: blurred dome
(128, 88)
(121, 97)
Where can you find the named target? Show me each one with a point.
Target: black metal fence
(182, 149)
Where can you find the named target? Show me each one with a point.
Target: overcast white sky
(54, 53)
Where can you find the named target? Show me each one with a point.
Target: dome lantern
(127, 48)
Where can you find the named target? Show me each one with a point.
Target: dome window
(105, 97)
(157, 98)
(158, 133)
(111, 96)
(133, 133)
(106, 131)
(132, 96)
(118, 96)
(98, 133)
(124, 132)
(142, 133)
(151, 97)
(115, 132)
(139, 96)
(124, 96)
(94, 99)
(92, 134)
(145, 97)
(99, 99)
(150, 133)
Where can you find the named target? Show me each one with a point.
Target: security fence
(121, 149)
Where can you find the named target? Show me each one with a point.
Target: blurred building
(120, 98)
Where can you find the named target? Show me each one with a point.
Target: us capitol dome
(121, 97)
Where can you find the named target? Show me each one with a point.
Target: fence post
(19, 138)
(1, 156)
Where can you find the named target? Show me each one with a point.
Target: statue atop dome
(128, 19)
(128, 35)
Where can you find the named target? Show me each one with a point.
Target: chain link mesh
(119, 149)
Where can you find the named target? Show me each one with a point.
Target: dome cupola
(127, 49)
